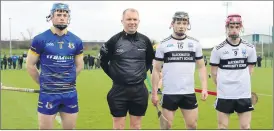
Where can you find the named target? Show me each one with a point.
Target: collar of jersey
(179, 38)
(54, 31)
(135, 35)
(232, 44)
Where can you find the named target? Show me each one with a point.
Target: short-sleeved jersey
(179, 57)
(57, 53)
(233, 77)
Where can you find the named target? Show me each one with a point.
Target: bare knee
(45, 121)
(222, 125)
(119, 123)
(245, 126)
(68, 120)
(192, 125)
(135, 122)
(135, 125)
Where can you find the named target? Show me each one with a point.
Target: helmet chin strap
(234, 36)
(60, 27)
(179, 34)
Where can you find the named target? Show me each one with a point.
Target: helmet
(58, 6)
(233, 18)
(180, 15)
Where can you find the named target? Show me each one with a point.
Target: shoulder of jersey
(221, 45)
(191, 38)
(247, 43)
(166, 39)
(42, 35)
(75, 36)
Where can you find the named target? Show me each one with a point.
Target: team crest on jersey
(71, 45)
(49, 105)
(244, 52)
(190, 45)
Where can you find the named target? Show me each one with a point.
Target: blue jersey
(14, 58)
(57, 54)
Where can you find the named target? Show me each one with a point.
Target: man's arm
(105, 54)
(214, 62)
(251, 69)
(202, 72)
(214, 70)
(31, 61)
(156, 72)
(79, 62)
(150, 54)
(252, 59)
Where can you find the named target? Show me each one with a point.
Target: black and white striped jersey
(233, 77)
(179, 57)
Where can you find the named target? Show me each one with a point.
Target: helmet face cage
(58, 7)
(181, 16)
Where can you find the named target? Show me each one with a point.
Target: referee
(125, 58)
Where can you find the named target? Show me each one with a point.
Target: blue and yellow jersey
(57, 54)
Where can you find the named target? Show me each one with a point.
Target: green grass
(19, 110)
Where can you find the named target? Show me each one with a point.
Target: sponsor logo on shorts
(49, 105)
(72, 106)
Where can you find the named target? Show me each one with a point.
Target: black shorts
(230, 105)
(184, 101)
(132, 98)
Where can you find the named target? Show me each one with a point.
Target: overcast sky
(94, 20)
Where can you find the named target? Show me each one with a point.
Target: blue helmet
(58, 6)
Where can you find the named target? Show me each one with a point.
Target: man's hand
(204, 94)
(154, 99)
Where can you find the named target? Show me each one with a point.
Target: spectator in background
(97, 63)
(5, 62)
(1, 63)
(20, 62)
(9, 62)
(259, 61)
(91, 62)
(85, 62)
(14, 60)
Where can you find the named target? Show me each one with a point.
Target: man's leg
(69, 111)
(190, 117)
(224, 108)
(244, 108)
(138, 105)
(68, 120)
(223, 120)
(47, 108)
(45, 121)
(117, 102)
(245, 119)
(118, 123)
(189, 108)
(169, 106)
(169, 115)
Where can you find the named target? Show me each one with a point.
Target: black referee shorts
(128, 98)
(230, 105)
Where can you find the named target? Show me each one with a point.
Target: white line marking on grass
(263, 94)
